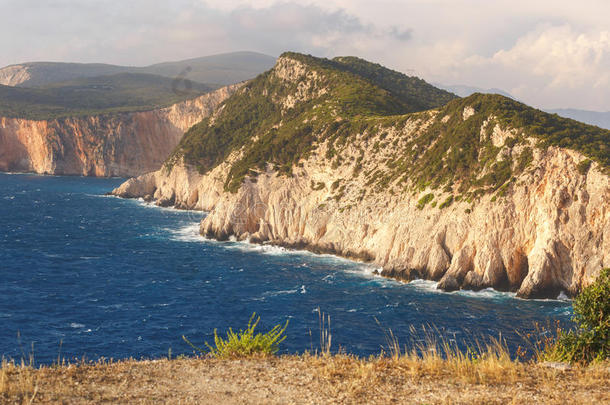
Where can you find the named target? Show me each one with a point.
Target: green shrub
(583, 167)
(424, 200)
(317, 186)
(447, 202)
(245, 343)
(525, 158)
(590, 342)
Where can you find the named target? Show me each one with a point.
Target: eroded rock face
(14, 75)
(126, 144)
(549, 233)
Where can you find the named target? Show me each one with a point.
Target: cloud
(147, 31)
(549, 66)
(547, 53)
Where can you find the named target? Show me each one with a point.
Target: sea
(85, 276)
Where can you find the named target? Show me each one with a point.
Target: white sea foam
(279, 292)
(75, 325)
(424, 285)
(187, 233)
(190, 233)
(486, 293)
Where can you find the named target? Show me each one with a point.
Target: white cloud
(550, 66)
(548, 53)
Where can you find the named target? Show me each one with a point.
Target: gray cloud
(145, 31)
(401, 34)
(485, 44)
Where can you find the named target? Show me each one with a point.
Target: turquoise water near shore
(86, 275)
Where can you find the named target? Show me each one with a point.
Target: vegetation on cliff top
(279, 121)
(123, 92)
(245, 343)
(590, 342)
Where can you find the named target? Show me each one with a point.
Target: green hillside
(220, 70)
(353, 98)
(87, 96)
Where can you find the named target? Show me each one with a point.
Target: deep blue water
(84, 275)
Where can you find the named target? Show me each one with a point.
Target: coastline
(376, 271)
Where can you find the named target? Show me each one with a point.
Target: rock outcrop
(121, 144)
(14, 75)
(543, 229)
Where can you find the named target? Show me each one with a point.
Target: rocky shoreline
(456, 248)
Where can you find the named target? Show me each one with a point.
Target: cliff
(14, 75)
(479, 192)
(121, 144)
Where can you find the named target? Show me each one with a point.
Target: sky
(547, 53)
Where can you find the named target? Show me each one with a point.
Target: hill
(346, 157)
(349, 96)
(344, 96)
(223, 69)
(600, 119)
(219, 70)
(89, 96)
(597, 118)
(465, 91)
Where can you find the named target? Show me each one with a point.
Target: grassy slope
(365, 98)
(352, 98)
(88, 96)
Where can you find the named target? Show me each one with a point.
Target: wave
(187, 233)
(279, 292)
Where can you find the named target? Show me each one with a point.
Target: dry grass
(315, 379)
(432, 371)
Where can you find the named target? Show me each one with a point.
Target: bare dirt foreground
(304, 380)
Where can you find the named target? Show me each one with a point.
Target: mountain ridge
(598, 118)
(121, 92)
(221, 69)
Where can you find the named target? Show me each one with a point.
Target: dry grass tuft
(18, 381)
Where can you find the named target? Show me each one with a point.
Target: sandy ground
(302, 380)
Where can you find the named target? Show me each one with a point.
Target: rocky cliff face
(543, 229)
(14, 75)
(124, 144)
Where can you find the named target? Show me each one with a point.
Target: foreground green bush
(245, 343)
(590, 342)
